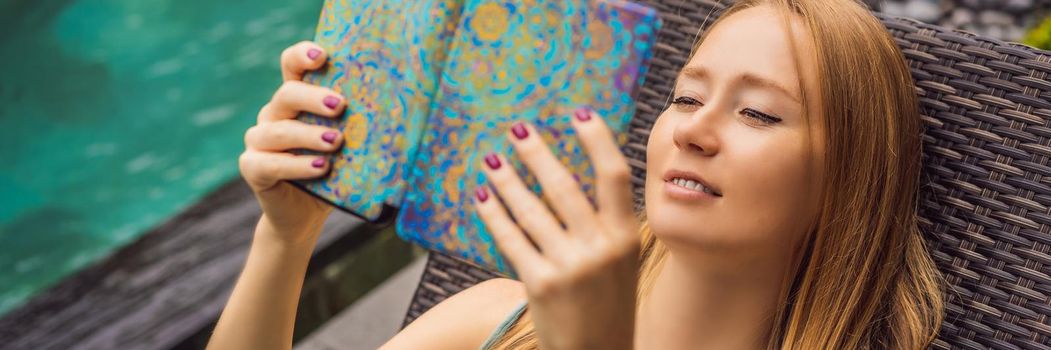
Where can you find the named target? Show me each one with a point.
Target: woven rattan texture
(443, 276)
(987, 142)
(987, 182)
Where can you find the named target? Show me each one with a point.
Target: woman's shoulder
(464, 320)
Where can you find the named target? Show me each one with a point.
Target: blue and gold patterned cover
(433, 86)
(534, 61)
(385, 57)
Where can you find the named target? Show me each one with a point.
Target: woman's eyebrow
(700, 73)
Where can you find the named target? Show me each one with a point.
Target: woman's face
(737, 126)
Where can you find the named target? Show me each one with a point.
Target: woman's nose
(698, 132)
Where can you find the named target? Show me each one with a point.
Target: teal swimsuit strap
(499, 331)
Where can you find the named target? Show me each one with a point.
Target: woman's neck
(709, 303)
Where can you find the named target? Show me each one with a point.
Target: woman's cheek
(659, 145)
(769, 180)
(779, 183)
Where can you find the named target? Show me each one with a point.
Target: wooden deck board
(166, 286)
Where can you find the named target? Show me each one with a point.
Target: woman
(781, 199)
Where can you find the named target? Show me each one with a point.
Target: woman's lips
(679, 192)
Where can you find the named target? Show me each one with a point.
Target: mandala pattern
(386, 58)
(546, 59)
(432, 85)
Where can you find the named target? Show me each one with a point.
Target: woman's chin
(695, 229)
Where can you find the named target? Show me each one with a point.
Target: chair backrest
(987, 143)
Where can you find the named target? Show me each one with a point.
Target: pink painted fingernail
(583, 114)
(313, 53)
(331, 102)
(318, 163)
(492, 161)
(482, 194)
(519, 130)
(329, 136)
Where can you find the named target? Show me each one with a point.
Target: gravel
(1000, 19)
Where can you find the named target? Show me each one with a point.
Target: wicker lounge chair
(987, 182)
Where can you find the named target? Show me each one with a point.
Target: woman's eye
(683, 100)
(686, 101)
(760, 116)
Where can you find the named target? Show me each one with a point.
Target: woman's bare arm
(261, 312)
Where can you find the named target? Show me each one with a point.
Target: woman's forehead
(755, 45)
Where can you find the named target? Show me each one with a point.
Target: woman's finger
(294, 97)
(507, 235)
(286, 134)
(612, 173)
(561, 190)
(264, 169)
(529, 212)
(299, 58)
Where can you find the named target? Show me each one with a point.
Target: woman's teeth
(693, 185)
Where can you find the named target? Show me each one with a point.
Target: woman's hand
(292, 215)
(581, 282)
(261, 311)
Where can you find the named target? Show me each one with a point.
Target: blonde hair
(864, 279)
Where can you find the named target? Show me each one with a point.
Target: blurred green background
(117, 114)
(1040, 36)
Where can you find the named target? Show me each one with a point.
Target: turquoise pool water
(115, 115)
